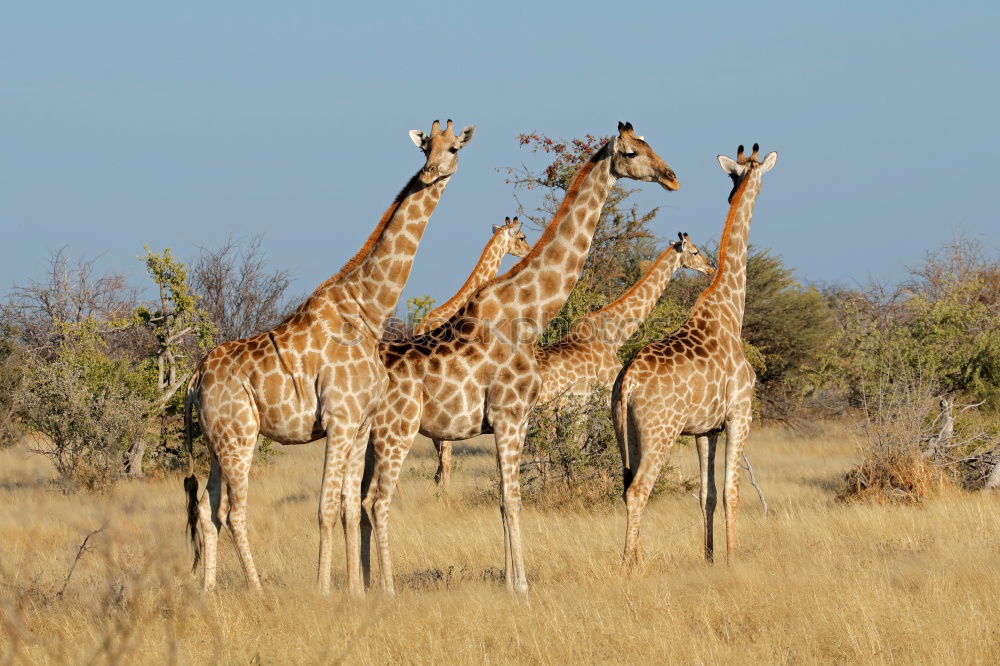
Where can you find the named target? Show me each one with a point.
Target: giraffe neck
(534, 290)
(369, 285)
(484, 271)
(727, 292)
(618, 321)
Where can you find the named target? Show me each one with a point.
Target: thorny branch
(79, 553)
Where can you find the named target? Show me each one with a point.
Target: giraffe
(697, 381)
(317, 374)
(477, 374)
(507, 239)
(588, 353)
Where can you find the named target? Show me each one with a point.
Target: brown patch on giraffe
(549, 282)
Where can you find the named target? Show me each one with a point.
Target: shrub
(12, 391)
(89, 407)
(571, 454)
(894, 467)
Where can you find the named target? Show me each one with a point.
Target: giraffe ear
(769, 161)
(731, 166)
(497, 227)
(418, 138)
(466, 135)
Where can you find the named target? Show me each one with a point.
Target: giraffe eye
(453, 149)
(631, 154)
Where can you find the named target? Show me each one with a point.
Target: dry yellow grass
(816, 581)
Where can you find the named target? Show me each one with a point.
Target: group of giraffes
(473, 366)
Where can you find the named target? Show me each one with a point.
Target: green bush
(88, 406)
(571, 454)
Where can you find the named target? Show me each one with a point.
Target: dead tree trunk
(133, 460)
(947, 430)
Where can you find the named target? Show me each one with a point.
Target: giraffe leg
(652, 443)
(210, 521)
(340, 440)
(237, 478)
(369, 484)
(350, 509)
(737, 430)
(393, 439)
(442, 477)
(706, 463)
(510, 435)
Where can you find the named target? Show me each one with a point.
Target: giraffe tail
(619, 413)
(191, 480)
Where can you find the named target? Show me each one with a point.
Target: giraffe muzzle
(669, 183)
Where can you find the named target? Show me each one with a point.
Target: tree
(183, 332)
(936, 335)
(12, 389)
(241, 294)
(36, 312)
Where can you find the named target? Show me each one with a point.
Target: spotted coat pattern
(507, 239)
(478, 373)
(317, 374)
(697, 381)
(588, 353)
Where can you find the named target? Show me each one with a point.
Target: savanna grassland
(816, 580)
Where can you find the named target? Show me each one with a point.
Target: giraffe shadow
(829, 484)
(435, 578)
(29, 484)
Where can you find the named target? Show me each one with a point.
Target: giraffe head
(691, 257)
(441, 148)
(633, 158)
(743, 167)
(515, 242)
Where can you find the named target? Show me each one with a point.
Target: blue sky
(176, 124)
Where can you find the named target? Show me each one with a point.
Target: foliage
(921, 349)
(12, 390)
(417, 309)
(895, 421)
(183, 332)
(943, 323)
(571, 453)
(89, 406)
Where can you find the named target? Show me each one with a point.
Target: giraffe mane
(550, 230)
(636, 285)
(366, 249)
(724, 242)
